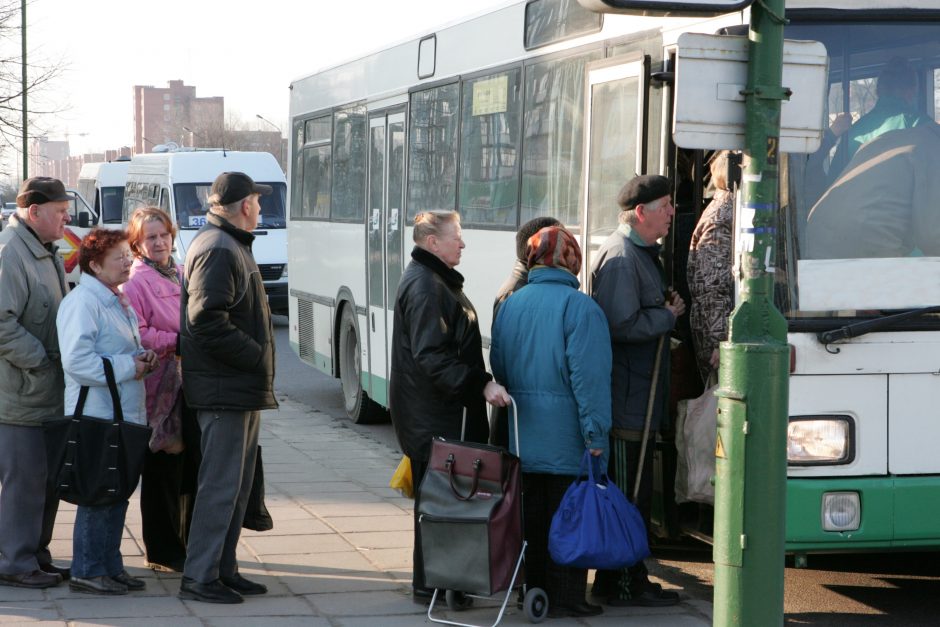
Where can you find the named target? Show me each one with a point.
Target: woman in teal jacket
(551, 350)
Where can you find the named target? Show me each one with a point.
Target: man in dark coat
(628, 285)
(438, 384)
(227, 345)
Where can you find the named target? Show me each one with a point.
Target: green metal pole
(750, 495)
(25, 125)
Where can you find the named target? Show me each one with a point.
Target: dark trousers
(28, 503)
(229, 448)
(418, 468)
(542, 494)
(624, 456)
(167, 495)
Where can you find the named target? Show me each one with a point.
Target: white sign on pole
(711, 73)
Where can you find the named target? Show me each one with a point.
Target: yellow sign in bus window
(490, 95)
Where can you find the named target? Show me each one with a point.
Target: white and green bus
(541, 107)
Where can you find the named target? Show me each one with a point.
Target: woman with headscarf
(551, 349)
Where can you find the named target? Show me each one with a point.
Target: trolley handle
(515, 426)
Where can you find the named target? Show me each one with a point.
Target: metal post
(750, 495)
(25, 125)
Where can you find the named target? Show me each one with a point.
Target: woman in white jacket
(95, 322)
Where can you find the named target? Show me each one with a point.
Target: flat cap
(643, 189)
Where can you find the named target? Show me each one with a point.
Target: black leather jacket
(437, 358)
(226, 335)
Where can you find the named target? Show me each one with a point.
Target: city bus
(544, 108)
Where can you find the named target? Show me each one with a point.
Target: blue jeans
(96, 540)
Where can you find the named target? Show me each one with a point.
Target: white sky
(247, 52)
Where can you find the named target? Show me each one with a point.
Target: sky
(247, 52)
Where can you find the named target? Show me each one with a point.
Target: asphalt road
(307, 385)
(869, 590)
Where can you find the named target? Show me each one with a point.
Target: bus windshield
(112, 203)
(860, 223)
(192, 204)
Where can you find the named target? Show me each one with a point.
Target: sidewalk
(339, 554)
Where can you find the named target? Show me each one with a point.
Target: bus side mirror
(83, 219)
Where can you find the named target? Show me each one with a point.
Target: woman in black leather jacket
(437, 356)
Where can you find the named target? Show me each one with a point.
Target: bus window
(349, 164)
(112, 200)
(553, 142)
(272, 207)
(297, 173)
(489, 149)
(191, 204)
(867, 197)
(432, 149)
(316, 169)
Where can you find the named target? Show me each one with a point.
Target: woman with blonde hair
(168, 484)
(437, 375)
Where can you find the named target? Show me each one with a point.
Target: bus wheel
(359, 407)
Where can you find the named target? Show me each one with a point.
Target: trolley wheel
(457, 601)
(535, 605)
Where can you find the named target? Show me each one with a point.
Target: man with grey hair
(227, 347)
(627, 282)
(32, 284)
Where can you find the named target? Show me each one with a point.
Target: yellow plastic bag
(401, 478)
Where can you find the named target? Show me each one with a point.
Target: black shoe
(581, 609)
(212, 592)
(242, 586)
(651, 596)
(52, 569)
(34, 579)
(97, 585)
(132, 583)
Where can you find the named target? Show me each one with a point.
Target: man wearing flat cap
(227, 348)
(32, 284)
(627, 282)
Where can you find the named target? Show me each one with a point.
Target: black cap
(643, 189)
(231, 187)
(41, 189)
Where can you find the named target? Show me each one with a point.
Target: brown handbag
(470, 517)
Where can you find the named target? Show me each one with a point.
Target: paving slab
(339, 555)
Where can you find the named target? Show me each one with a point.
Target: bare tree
(40, 75)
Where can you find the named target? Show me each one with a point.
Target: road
(870, 590)
(311, 387)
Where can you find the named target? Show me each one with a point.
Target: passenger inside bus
(882, 204)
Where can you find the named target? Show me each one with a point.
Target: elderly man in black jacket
(628, 285)
(227, 345)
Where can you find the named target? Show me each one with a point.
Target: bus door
(386, 161)
(614, 141)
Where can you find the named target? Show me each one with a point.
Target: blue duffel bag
(595, 525)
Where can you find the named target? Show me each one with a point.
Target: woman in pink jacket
(168, 484)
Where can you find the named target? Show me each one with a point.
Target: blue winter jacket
(551, 349)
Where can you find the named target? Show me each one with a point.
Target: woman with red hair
(95, 322)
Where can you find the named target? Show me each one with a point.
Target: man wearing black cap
(32, 284)
(627, 282)
(227, 347)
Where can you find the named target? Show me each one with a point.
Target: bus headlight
(818, 440)
(841, 511)
(284, 272)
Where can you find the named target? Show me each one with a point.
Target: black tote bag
(257, 517)
(95, 461)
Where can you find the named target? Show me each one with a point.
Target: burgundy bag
(470, 517)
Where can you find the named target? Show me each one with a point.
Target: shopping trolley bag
(470, 518)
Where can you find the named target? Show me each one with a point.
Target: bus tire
(359, 407)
